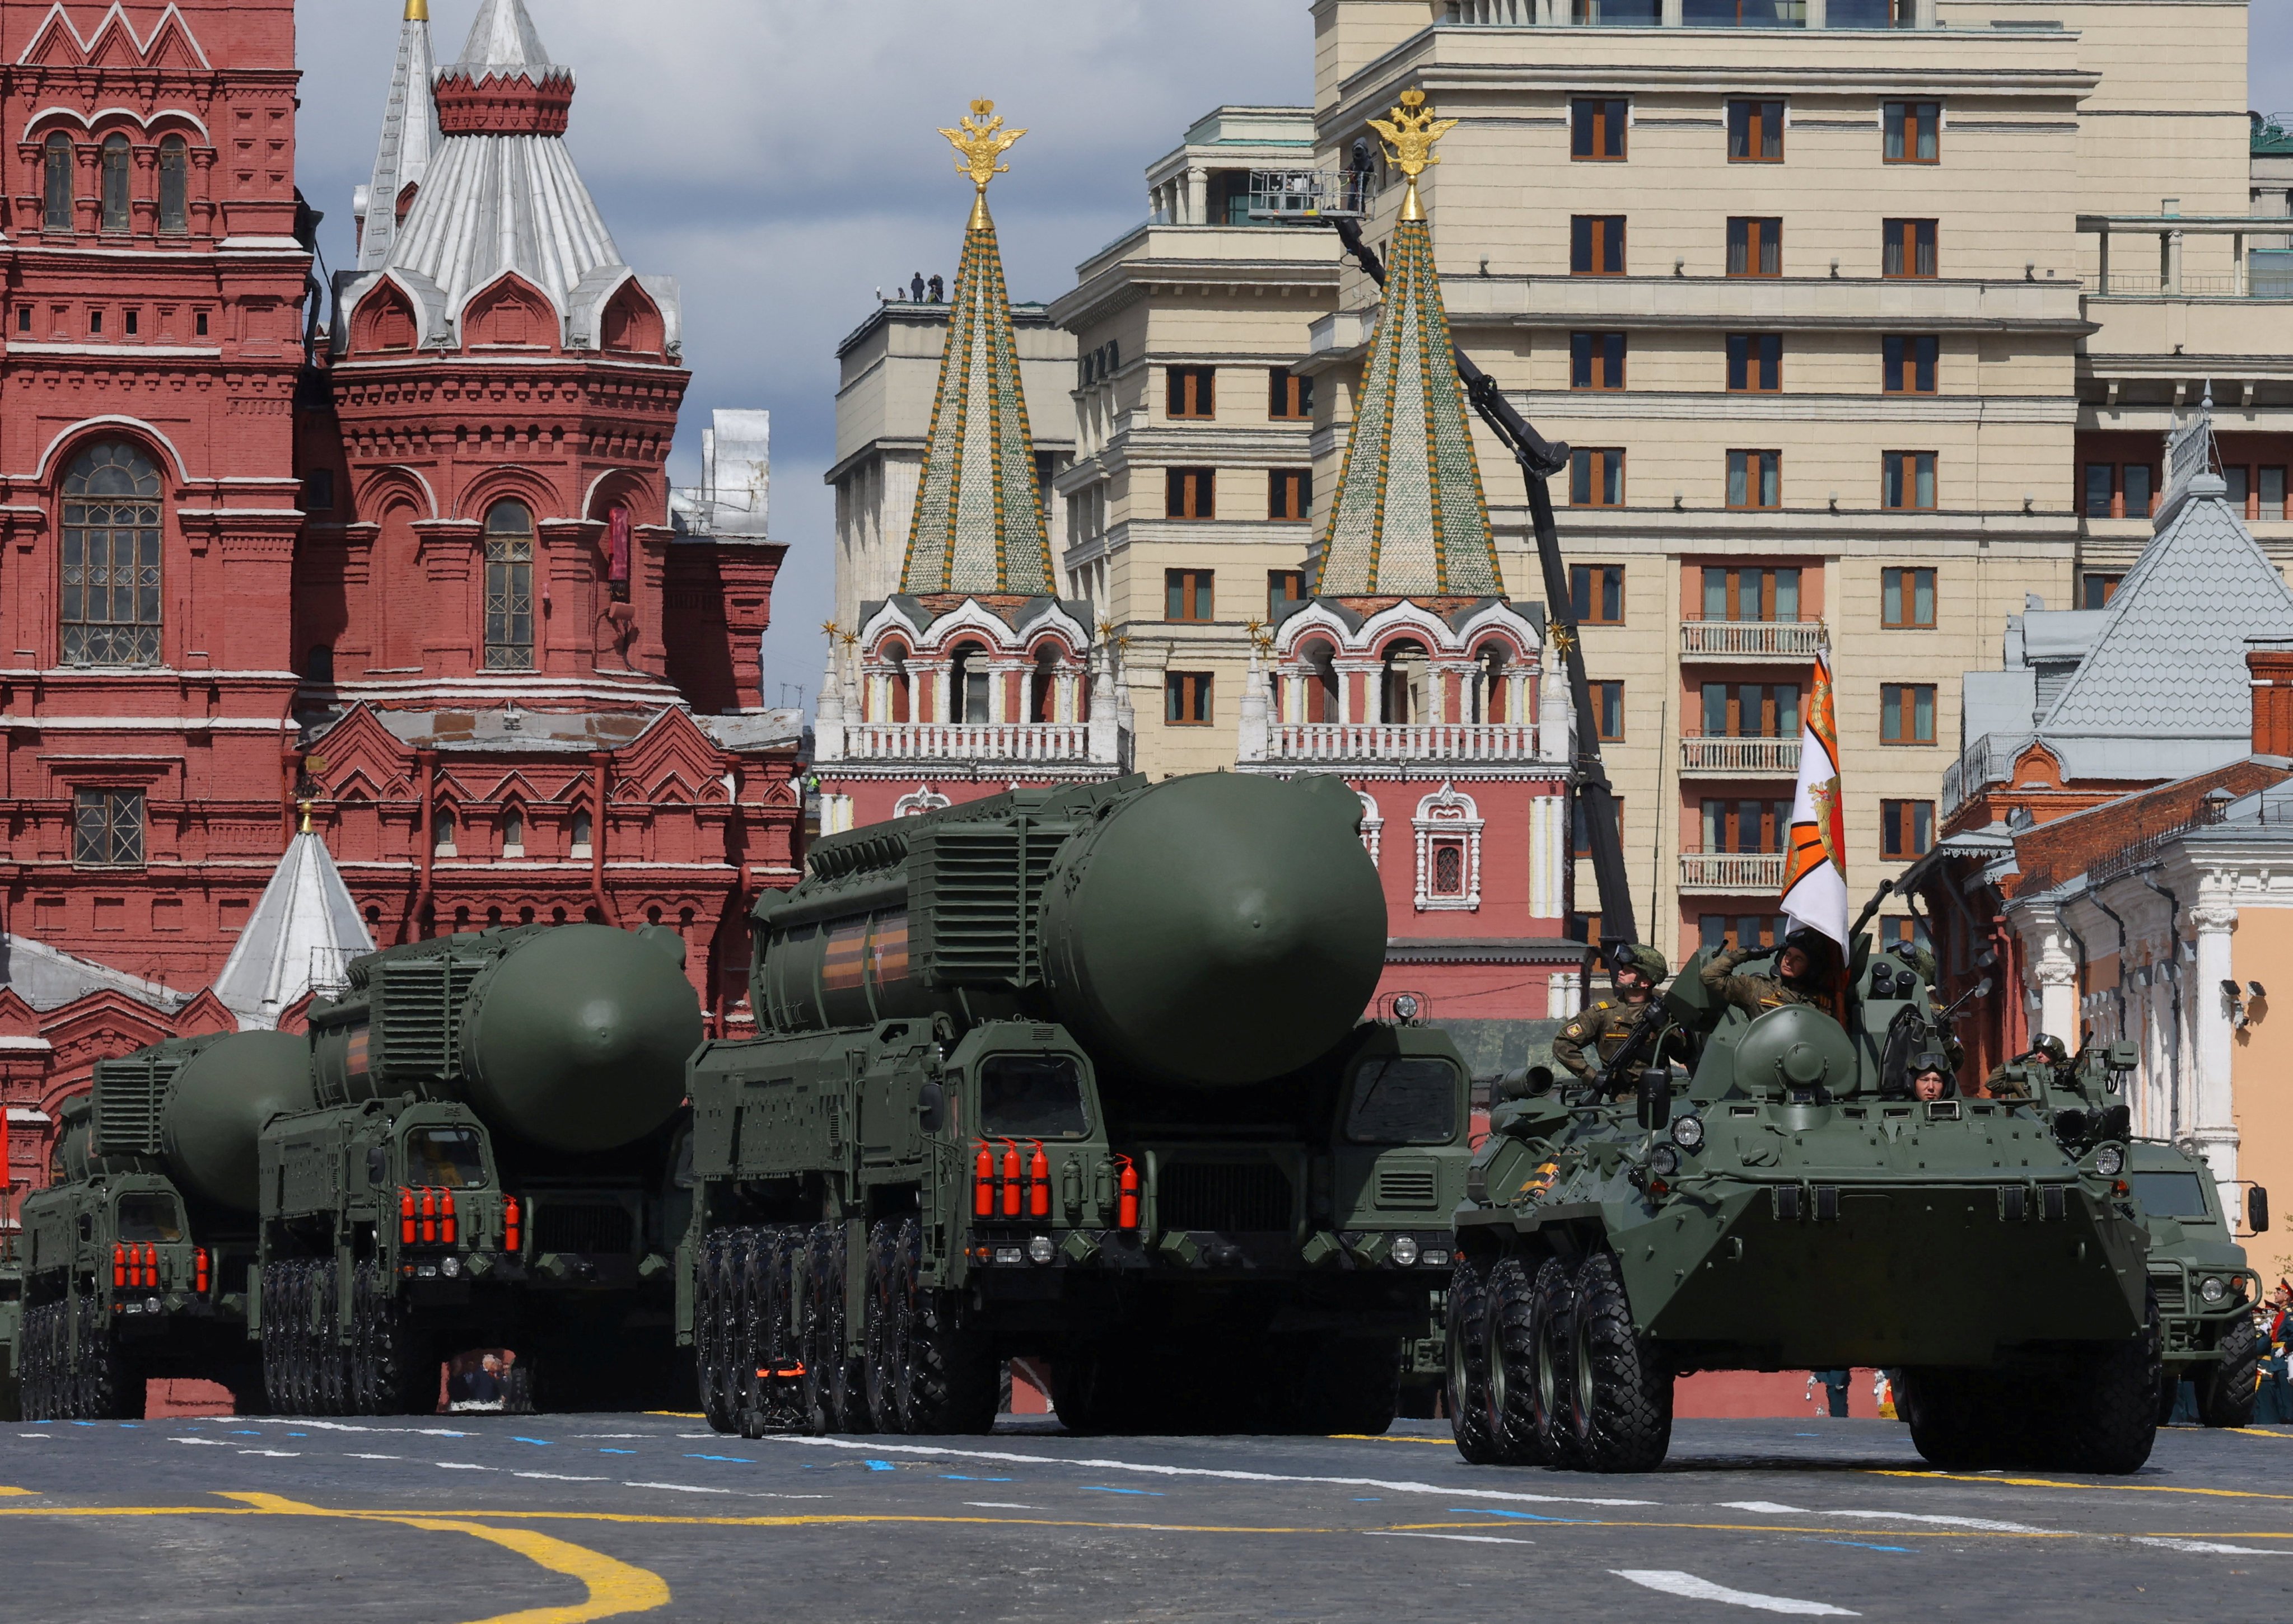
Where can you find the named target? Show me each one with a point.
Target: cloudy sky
(780, 158)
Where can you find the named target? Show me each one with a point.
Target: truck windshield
(449, 1158)
(1403, 1101)
(150, 1218)
(1031, 1096)
(2170, 1195)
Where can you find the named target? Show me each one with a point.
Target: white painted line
(1390, 1533)
(1100, 1464)
(357, 1456)
(1674, 1583)
(462, 1466)
(2200, 1546)
(1002, 1506)
(36, 1434)
(1985, 1523)
(275, 1454)
(559, 1477)
(211, 1442)
(683, 1488)
(301, 1423)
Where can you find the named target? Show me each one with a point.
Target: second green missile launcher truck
(491, 1161)
(1078, 1074)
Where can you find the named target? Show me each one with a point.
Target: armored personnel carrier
(1785, 1204)
(1078, 1074)
(136, 1258)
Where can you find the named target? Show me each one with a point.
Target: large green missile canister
(573, 1037)
(222, 1097)
(1209, 931)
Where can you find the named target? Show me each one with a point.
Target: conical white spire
(305, 930)
(503, 43)
(409, 138)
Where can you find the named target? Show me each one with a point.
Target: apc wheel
(2111, 1401)
(1951, 1417)
(1509, 1390)
(712, 1365)
(2227, 1389)
(1468, 1363)
(834, 1387)
(1620, 1408)
(1551, 1340)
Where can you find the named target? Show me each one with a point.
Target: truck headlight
(2110, 1161)
(1664, 1161)
(1405, 1251)
(450, 1266)
(2213, 1288)
(1040, 1249)
(1688, 1133)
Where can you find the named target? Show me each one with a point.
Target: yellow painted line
(2256, 1432)
(7, 1490)
(1396, 1438)
(680, 1415)
(2048, 1483)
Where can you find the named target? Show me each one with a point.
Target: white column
(1556, 726)
(1198, 183)
(1564, 993)
(2208, 1011)
(1548, 855)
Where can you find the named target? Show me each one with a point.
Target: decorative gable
(509, 313)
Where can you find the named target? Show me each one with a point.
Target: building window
(1403, 685)
(970, 698)
(23, 318)
(1283, 587)
(108, 828)
(1289, 493)
(1913, 131)
(1901, 930)
(1596, 594)
(513, 832)
(1755, 363)
(175, 185)
(1745, 825)
(1608, 710)
(1908, 481)
(1755, 132)
(2120, 491)
(1596, 245)
(1449, 827)
(1909, 364)
(1318, 665)
(1192, 393)
(1749, 931)
(509, 587)
(116, 169)
(1596, 476)
(1290, 397)
(1596, 360)
(1756, 479)
(318, 491)
(1751, 710)
(57, 173)
(112, 558)
(1187, 594)
(1906, 829)
(1907, 599)
(441, 833)
(1750, 594)
(1597, 127)
(1187, 698)
(1189, 493)
(1907, 713)
(582, 832)
(1756, 245)
(1448, 869)
(2096, 590)
(1486, 687)
(1908, 249)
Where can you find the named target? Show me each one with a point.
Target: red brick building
(409, 554)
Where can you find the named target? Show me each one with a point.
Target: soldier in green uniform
(1802, 971)
(1635, 972)
(2011, 1079)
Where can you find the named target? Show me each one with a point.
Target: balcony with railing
(1731, 872)
(1036, 741)
(1751, 639)
(1723, 756)
(1986, 761)
(1458, 741)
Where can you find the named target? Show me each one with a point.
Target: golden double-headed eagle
(979, 140)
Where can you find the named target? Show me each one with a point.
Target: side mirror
(931, 1107)
(1655, 1098)
(2256, 1209)
(377, 1166)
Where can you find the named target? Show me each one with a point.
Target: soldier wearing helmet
(1635, 972)
(1804, 969)
(1931, 1077)
(2045, 1060)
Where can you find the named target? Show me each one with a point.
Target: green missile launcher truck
(136, 1258)
(1082, 1075)
(489, 1162)
(1787, 1204)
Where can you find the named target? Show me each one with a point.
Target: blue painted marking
(1807, 1434)
(1367, 1499)
(242, 1432)
(957, 1477)
(616, 1452)
(738, 1461)
(298, 1435)
(131, 1425)
(82, 1423)
(1096, 1488)
(880, 1466)
(1901, 1550)
(1519, 1516)
(543, 1442)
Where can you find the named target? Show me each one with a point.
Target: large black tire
(885, 1331)
(39, 1363)
(834, 1382)
(947, 1382)
(744, 1257)
(2228, 1387)
(273, 1341)
(2114, 1425)
(1950, 1417)
(1552, 1343)
(711, 1332)
(334, 1361)
(109, 1390)
(1509, 1395)
(386, 1354)
(1620, 1408)
(1467, 1329)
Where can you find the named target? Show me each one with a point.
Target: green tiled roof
(2272, 135)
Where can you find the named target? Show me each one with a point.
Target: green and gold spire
(1409, 518)
(978, 527)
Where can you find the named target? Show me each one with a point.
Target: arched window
(1042, 687)
(967, 685)
(59, 181)
(512, 832)
(174, 184)
(1489, 684)
(118, 168)
(1402, 692)
(899, 685)
(441, 833)
(509, 587)
(582, 831)
(112, 557)
(1322, 684)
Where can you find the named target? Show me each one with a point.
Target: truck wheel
(275, 1367)
(1948, 1419)
(1552, 1351)
(833, 1386)
(107, 1383)
(334, 1365)
(885, 1330)
(2227, 1388)
(1469, 1362)
(948, 1384)
(710, 1364)
(763, 1292)
(39, 1362)
(2113, 1396)
(1621, 1405)
(1509, 1333)
(1350, 1387)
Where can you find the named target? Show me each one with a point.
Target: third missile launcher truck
(1078, 1074)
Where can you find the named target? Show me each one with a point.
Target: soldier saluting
(1635, 972)
(1803, 970)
